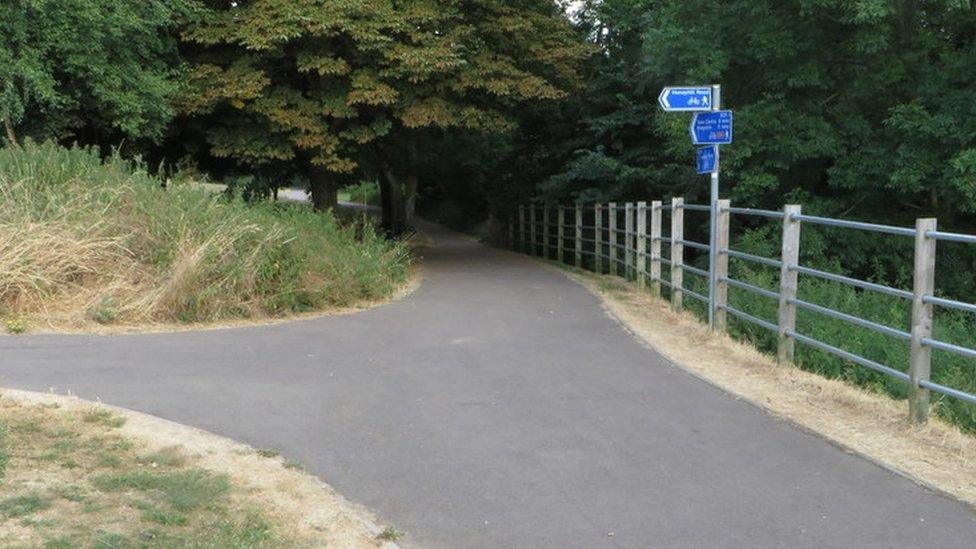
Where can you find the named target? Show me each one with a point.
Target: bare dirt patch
(75, 473)
(937, 455)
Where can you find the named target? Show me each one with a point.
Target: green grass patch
(18, 506)
(364, 192)
(268, 452)
(390, 534)
(104, 417)
(183, 490)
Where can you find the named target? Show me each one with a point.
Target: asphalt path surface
(499, 406)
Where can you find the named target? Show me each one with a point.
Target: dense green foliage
(105, 242)
(862, 104)
(96, 71)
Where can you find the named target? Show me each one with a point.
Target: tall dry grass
(85, 240)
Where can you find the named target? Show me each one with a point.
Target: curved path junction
(499, 406)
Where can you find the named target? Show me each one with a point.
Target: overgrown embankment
(86, 241)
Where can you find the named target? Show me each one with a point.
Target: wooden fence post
(560, 233)
(641, 251)
(722, 263)
(612, 236)
(598, 238)
(629, 240)
(920, 361)
(790, 258)
(578, 260)
(521, 213)
(656, 215)
(545, 231)
(677, 251)
(534, 246)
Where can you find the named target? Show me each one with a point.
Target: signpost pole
(713, 219)
(713, 127)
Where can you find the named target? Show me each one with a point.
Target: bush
(364, 192)
(87, 239)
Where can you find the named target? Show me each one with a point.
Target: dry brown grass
(874, 425)
(60, 446)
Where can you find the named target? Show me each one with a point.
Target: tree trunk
(323, 190)
(394, 203)
(11, 136)
(410, 198)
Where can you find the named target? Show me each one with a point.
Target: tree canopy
(855, 104)
(855, 107)
(350, 88)
(96, 71)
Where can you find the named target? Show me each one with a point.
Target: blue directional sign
(711, 128)
(694, 98)
(707, 159)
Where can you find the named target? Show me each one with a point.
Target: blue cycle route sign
(692, 98)
(711, 128)
(707, 159)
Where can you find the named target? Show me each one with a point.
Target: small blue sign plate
(693, 98)
(707, 159)
(711, 128)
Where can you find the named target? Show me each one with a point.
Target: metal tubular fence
(628, 240)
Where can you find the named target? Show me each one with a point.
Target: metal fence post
(533, 245)
(629, 240)
(598, 238)
(578, 260)
(721, 264)
(612, 236)
(920, 361)
(545, 231)
(641, 252)
(790, 257)
(521, 214)
(656, 215)
(560, 232)
(677, 251)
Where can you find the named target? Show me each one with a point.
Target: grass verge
(871, 423)
(79, 475)
(87, 242)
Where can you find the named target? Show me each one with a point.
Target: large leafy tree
(855, 106)
(355, 87)
(96, 71)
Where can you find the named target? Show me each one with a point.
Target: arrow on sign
(711, 128)
(694, 98)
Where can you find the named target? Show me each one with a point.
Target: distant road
(499, 406)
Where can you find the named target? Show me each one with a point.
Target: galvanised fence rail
(627, 239)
